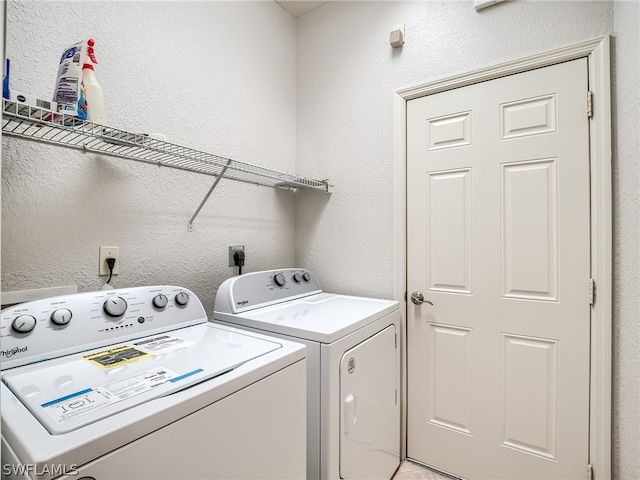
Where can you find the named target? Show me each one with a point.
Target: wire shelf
(43, 125)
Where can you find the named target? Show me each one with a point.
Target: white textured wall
(217, 76)
(347, 73)
(626, 213)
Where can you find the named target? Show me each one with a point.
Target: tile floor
(412, 471)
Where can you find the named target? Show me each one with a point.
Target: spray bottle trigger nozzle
(90, 43)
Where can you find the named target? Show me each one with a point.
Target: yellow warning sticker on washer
(114, 357)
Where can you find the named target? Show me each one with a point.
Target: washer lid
(70, 392)
(324, 317)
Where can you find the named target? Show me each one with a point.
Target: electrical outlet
(232, 250)
(103, 254)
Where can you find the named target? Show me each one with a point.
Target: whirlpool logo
(13, 351)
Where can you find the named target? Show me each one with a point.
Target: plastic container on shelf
(5, 79)
(93, 91)
(69, 91)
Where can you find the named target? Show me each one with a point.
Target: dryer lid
(324, 317)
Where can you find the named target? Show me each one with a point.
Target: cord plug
(111, 262)
(238, 260)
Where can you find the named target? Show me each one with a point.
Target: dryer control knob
(182, 298)
(297, 277)
(23, 323)
(160, 301)
(115, 306)
(61, 316)
(279, 279)
(306, 276)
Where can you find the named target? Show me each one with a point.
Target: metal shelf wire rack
(40, 124)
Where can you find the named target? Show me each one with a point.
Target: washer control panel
(56, 326)
(259, 289)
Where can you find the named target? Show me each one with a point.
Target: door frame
(597, 52)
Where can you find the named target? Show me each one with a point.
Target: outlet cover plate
(232, 250)
(103, 254)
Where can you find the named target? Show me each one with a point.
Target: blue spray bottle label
(5, 80)
(69, 91)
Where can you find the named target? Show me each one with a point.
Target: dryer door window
(369, 420)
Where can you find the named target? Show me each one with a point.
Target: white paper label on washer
(85, 401)
(162, 343)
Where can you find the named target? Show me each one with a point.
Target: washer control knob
(23, 323)
(279, 279)
(160, 301)
(182, 298)
(297, 277)
(61, 316)
(306, 277)
(115, 306)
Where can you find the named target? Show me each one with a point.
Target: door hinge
(589, 472)
(592, 291)
(589, 104)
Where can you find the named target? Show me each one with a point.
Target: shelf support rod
(206, 197)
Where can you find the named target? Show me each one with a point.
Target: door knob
(418, 299)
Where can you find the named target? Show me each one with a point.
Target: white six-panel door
(499, 241)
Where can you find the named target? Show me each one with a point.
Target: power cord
(111, 262)
(238, 259)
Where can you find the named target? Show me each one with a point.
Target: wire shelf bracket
(206, 197)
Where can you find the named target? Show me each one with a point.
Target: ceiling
(300, 7)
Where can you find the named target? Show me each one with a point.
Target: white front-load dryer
(353, 366)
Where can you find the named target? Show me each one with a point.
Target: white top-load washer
(136, 384)
(353, 366)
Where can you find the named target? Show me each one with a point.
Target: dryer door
(370, 412)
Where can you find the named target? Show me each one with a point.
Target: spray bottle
(69, 91)
(92, 90)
